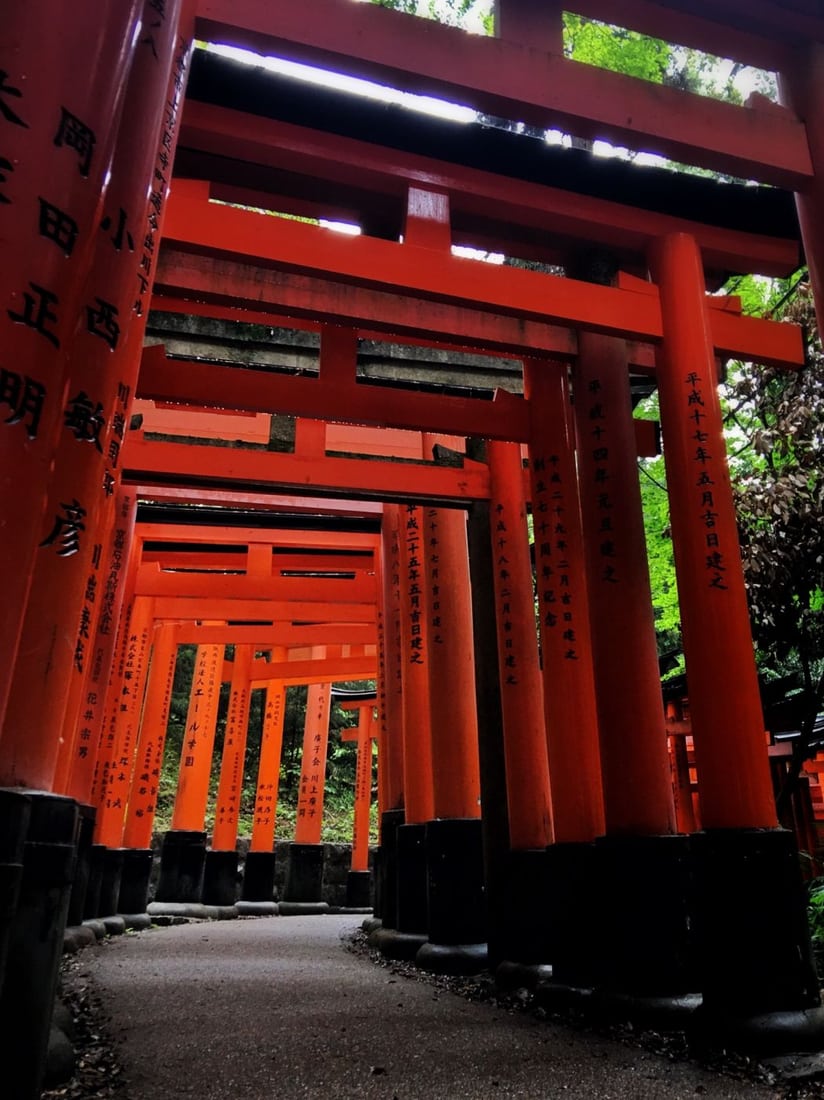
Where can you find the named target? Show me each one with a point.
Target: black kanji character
(75, 134)
(57, 226)
(102, 322)
(37, 312)
(85, 420)
(66, 529)
(121, 233)
(24, 397)
(5, 110)
(5, 166)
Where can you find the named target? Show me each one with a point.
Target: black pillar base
(646, 946)
(85, 838)
(526, 928)
(258, 877)
(386, 877)
(91, 904)
(110, 885)
(455, 879)
(758, 977)
(220, 878)
(134, 882)
(182, 857)
(15, 812)
(576, 910)
(358, 890)
(304, 873)
(36, 941)
(412, 910)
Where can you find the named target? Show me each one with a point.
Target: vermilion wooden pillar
(142, 806)
(391, 738)
(530, 807)
(313, 765)
(415, 653)
(259, 870)
(103, 361)
(83, 726)
(646, 952)
(358, 881)
(227, 809)
(390, 761)
(741, 853)
(304, 874)
(406, 933)
(454, 838)
(522, 702)
(266, 798)
(198, 740)
(220, 870)
(183, 854)
(116, 759)
(637, 792)
(58, 137)
(455, 774)
(563, 608)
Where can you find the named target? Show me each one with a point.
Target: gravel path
(279, 1007)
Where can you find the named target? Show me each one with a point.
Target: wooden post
(390, 743)
(103, 363)
(227, 808)
(266, 796)
(362, 736)
(198, 741)
(152, 739)
(313, 765)
(58, 141)
(455, 769)
(83, 725)
(259, 870)
(522, 697)
(120, 739)
(741, 853)
(417, 750)
(725, 702)
(563, 608)
(635, 768)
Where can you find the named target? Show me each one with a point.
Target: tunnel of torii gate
(221, 427)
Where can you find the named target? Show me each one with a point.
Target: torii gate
(75, 525)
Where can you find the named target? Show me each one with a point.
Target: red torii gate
(521, 73)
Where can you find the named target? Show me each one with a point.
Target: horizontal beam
(517, 82)
(472, 192)
(329, 670)
(193, 221)
(151, 581)
(215, 560)
(298, 538)
(144, 461)
(247, 292)
(258, 502)
(380, 406)
(283, 634)
(242, 610)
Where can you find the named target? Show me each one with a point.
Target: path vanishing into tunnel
(278, 1007)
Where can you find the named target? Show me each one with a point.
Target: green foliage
(615, 48)
(815, 914)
